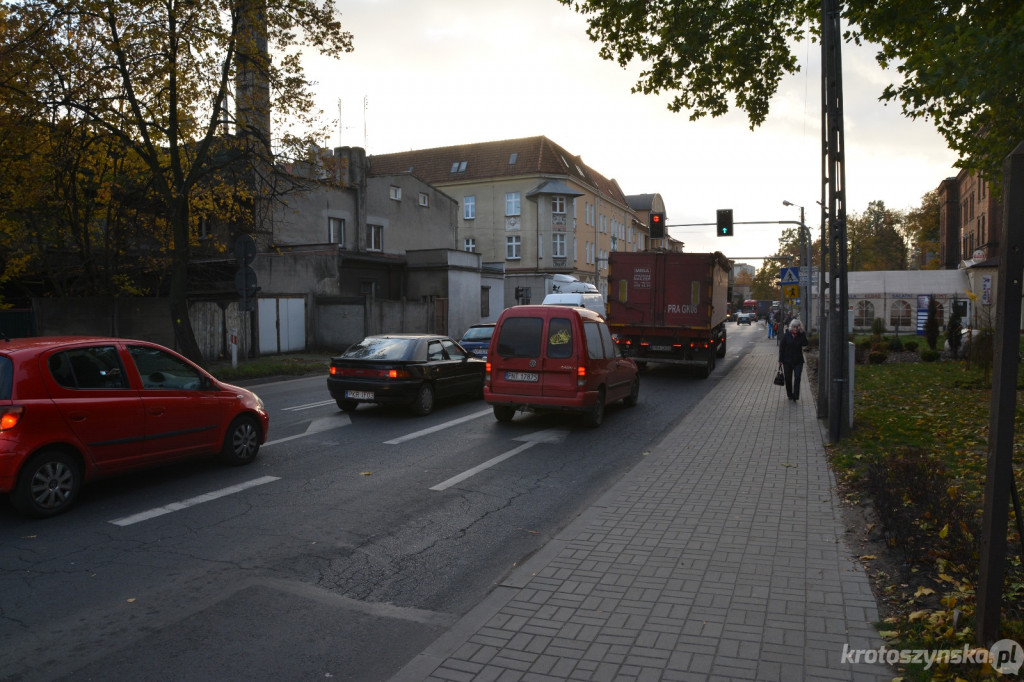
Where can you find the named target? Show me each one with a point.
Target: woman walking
(791, 355)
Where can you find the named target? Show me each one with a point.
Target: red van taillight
(487, 372)
(581, 376)
(10, 416)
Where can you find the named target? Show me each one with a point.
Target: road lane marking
(335, 421)
(554, 435)
(439, 427)
(477, 469)
(307, 406)
(192, 501)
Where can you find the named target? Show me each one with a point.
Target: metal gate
(282, 325)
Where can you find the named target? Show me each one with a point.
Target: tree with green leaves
(875, 241)
(921, 229)
(185, 87)
(958, 64)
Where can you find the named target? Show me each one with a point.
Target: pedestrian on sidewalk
(771, 325)
(791, 355)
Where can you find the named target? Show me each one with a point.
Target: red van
(549, 357)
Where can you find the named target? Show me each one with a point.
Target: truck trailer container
(669, 307)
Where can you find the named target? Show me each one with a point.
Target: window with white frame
(395, 193)
(864, 314)
(558, 204)
(376, 237)
(335, 231)
(469, 208)
(512, 203)
(900, 314)
(513, 247)
(469, 245)
(424, 199)
(558, 245)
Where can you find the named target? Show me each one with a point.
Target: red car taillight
(375, 373)
(10, 416)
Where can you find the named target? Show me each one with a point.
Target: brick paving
(719, 557)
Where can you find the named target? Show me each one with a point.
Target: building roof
(641, 202)
(490, 160)
(938, 282)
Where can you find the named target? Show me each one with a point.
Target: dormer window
(513, 158)
(459, 167)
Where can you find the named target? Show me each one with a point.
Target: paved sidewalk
(719, 557)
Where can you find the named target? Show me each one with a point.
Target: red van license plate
(522, 376)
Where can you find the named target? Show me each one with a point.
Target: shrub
(914, 497)
(877, 326)
(910, 346)
(929, 355)
(895, 345)
(877, 357)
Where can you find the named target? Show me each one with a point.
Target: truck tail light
(10, 416)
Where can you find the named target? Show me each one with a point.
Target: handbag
(780, 378)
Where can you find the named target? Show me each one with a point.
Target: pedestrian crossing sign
(789, 276)
(791, 291)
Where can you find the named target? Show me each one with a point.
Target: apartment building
(529, 205)
(970, 220)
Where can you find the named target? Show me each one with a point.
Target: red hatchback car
(77, 408)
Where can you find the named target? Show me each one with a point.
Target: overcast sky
(449, 72)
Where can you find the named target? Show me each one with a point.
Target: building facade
(970, 220)
(528, 204)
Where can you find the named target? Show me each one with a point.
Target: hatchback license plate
(522, 376)
(359, 395)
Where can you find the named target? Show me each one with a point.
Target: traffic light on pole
(725, 222)
(657, 225)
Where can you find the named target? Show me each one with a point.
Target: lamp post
(805, 258)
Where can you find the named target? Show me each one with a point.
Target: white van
(591, 301)
(567, 290)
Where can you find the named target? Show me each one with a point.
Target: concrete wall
(408, 224)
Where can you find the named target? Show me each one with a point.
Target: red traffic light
(657, 225)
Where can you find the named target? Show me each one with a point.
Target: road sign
(245, 281)
(789, 276)
(791, 291)
(245, 249)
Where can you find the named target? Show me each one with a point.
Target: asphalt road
(350, 544)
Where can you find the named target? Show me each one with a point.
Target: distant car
(77, 408)
(744, 318)
(477, 338)
(404, 369)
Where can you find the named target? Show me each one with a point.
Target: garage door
(282, 325)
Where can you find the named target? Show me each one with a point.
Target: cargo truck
(669, 307)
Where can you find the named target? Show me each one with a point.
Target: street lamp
(805, 256)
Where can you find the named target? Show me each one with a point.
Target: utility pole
(999, 480)
(833, 150)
